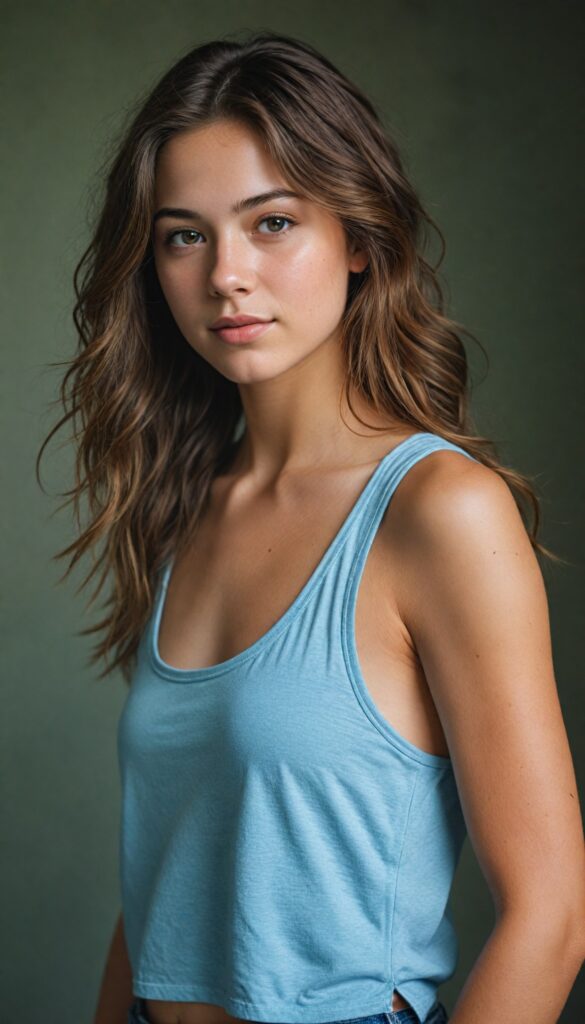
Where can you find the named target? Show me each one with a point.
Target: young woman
(326, 599)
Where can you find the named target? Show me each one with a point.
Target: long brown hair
(153, 421)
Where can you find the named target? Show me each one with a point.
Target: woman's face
(213, 261)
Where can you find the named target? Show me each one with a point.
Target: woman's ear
(358, 259)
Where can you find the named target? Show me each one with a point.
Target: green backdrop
(484, 100)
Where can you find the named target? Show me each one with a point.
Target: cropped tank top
(284, 851)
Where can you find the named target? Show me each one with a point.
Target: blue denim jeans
(436, 1015)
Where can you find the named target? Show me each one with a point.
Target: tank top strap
(368, 511)
(391, 470)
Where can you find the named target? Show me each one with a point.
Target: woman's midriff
(164, 1012)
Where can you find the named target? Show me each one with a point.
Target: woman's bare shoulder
(452, 520)
(444, 489)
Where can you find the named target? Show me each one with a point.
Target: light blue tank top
(284, 852)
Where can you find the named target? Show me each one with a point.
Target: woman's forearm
(115, 996)
(524, 973)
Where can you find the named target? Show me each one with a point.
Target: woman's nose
(231, 266)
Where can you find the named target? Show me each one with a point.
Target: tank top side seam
(392, 907)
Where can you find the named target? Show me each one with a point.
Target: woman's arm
(471, 593)
(115, 996)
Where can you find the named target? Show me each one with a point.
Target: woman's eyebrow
(242, 204)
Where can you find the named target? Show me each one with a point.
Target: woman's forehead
(211, 161)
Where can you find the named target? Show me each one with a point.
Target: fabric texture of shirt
(284, 852)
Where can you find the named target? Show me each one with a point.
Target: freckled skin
(297, 274)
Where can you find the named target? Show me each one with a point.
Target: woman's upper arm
(472, 595)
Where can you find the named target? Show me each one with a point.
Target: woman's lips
(246, 332)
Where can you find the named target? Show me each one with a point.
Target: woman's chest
(240, 576)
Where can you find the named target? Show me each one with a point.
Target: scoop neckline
(194, 675)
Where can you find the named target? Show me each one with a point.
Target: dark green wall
(484, 99)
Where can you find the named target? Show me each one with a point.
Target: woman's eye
(277, 217)
(191, 231)
(183, 231)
